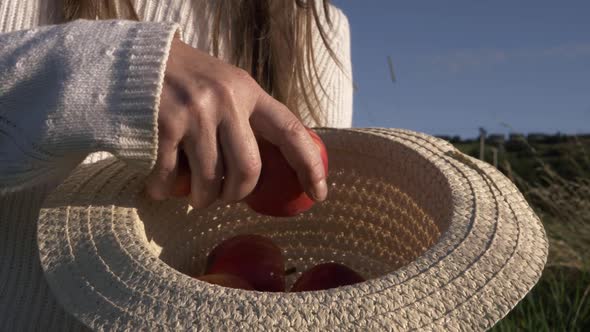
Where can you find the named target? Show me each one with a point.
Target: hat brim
(100, 266)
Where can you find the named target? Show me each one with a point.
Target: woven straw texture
(446, 241)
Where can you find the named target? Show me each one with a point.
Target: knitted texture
(70, 90)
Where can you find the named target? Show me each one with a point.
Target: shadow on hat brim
(446, 241)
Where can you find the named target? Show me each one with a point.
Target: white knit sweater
(70, 90)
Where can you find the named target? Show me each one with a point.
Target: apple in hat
(253, 258)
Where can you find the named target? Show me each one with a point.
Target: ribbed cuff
(139, 76)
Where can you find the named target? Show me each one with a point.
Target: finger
(274, 122)
(161, 180)
(206, 166)
(241, 159)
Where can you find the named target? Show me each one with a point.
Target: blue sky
(463, 64)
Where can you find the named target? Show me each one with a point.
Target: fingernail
(320, 190)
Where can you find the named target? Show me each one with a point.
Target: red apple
(254, 258)
(182, 183)
(326, 276)
(278, 192)
(226, 280)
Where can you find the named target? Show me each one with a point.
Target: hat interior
(387, 205)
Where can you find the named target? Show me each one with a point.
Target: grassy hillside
(553, 172)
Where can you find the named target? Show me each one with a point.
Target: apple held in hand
(226, 280)
(182, 183)
(253, 258)
(278, 192)
(326, 276)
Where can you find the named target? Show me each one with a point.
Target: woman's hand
(211, 111)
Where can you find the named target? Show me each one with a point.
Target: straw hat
(445, 241)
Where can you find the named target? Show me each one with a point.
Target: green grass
(559, 302)
(554, 176)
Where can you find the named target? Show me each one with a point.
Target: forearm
(69, 90)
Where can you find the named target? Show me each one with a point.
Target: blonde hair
(270, 39)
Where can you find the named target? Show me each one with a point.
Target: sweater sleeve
(72, 89)
(335, 90)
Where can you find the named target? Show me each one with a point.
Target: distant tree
(556, 138)
(496, 139)
(444, 137)
(537, 137)
(516, 142)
